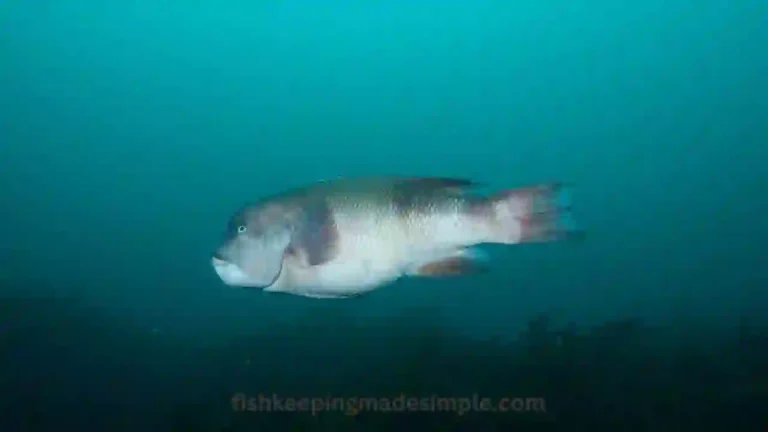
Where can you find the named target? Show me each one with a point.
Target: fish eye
(241, 229)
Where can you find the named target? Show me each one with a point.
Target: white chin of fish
(231, 274)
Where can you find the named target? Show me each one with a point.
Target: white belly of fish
(374, 252)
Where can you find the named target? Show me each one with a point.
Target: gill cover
(261, 258)
(260, 237)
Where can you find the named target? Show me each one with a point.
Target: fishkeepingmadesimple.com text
(262, 403)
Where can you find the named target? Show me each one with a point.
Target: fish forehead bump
(265, 214)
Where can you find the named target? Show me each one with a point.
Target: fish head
(254, 245)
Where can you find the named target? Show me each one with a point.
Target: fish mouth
(230, 273)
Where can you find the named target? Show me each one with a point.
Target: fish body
(346, 237)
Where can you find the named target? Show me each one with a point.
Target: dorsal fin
(438, 183)
(419, 194)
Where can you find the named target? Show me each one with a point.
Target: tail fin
(540, 213)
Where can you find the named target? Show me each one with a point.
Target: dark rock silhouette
(623, 374)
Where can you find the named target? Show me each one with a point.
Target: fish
(346, 237)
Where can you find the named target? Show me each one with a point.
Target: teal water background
(130, 131)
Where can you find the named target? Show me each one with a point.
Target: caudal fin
(540, 213)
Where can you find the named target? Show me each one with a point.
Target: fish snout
(231, 274)
(227, 272)
(218, 255)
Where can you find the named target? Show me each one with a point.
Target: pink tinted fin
(462, 263)
(540, 213)
(454, 266)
